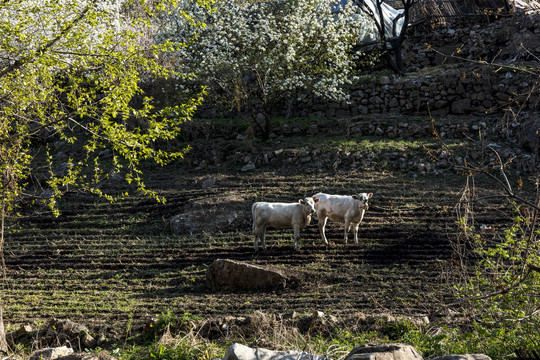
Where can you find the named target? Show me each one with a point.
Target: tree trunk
(3, 341)
(397, 66)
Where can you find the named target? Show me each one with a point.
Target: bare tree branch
(482, 62)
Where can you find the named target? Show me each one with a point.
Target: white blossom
(269, 50)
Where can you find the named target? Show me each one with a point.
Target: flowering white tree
(261, 54)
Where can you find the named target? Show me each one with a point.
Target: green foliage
(396, 330)
(181, 349)
(72, 72)
(502, 284)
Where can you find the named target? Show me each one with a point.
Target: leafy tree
(70, 71)
(262, 55)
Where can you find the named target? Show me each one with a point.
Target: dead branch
(509, 191)
(482, 62)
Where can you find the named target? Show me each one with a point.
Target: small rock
(385, 80)
(62, 170)
(107, 153)
(23, 331)
(242, 352)
(208, 183)
(461, 106)
(47, 194)
(384, 352)
(463, 357)
(249, 167)
(185, 224)
(115, 176)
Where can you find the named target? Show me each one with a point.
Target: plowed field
(108, 264)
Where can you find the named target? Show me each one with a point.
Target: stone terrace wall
(450, 91)
(451, 87)
(439, 84)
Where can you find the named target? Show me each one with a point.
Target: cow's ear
(355, 197)
(369, 195)
(316, 200)
(301, 201)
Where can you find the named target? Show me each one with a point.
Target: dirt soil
(109, 265)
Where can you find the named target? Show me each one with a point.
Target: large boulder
(73, 332)
(226, 274)
(82, 356)
(384, 352)
(463, 357)
(242, 352)
(51, 353)
(216, 213)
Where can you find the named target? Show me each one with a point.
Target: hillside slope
(108, 265)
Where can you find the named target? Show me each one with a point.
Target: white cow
(281, 216)
(345, 209)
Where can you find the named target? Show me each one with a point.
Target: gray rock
(106, 153)
(185, 224)
(384, 352)
(463, 357)
(61, 156)
(236, 275)
(74, 330)
(461, 106)
(208, 183)
(115, 176)
(385, 80)
(81, 356)
(241, 352)
(61, 170)
(51, 353)
(47, 194)
(23, 331)
(249, 167)
(529, 136)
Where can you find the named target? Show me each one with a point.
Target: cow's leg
(296, 237)
(355, 229)
(346, 231)
(263, 232)
(256, 236)
(322, 224)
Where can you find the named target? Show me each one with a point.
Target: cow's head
(363, 199)
(309, 205)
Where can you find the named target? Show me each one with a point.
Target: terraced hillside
(108, 265)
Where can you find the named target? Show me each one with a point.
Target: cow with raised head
(294, 216)
(341, 208)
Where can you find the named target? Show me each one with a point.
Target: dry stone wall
(441, 85)
(448, 91)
